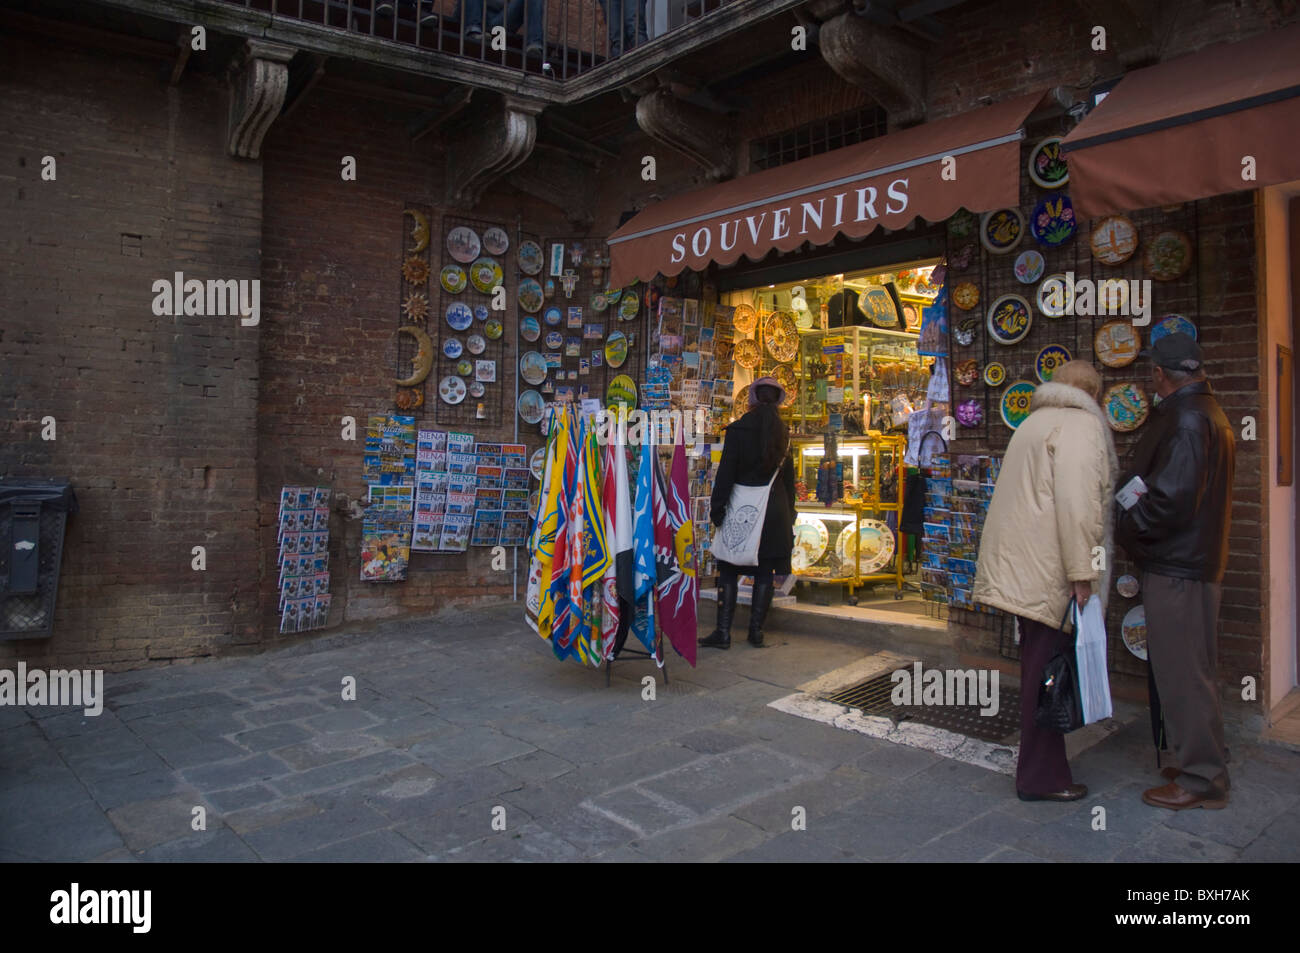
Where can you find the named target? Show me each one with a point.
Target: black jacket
(1186, 458)
(740, 465)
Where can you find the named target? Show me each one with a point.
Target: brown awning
(887, 181)
(1182, 130)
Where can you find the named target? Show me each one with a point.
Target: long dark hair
(773, 434)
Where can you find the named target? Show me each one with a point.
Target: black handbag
(1059, 706)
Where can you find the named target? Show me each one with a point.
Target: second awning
(887, 182)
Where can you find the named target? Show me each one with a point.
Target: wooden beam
(448, 106)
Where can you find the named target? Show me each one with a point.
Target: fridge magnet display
(1047, 168)
(530, 329)
(463, 244)
(493, 329)
(1126, 406)
(530, 295)
(416, 306)
(554, 359)
(452, 348)
(1052, 223)
(530, 406)
(1055, 296)
(1168, 256)
(548, 387)
(967, 294)
(994, 374)
(1016, 403)
(485, 274)
(422, 362)
(1029, 267)
(616, 349)
(530, 257)
(564, 394)
(1116, 343)
(970, 413)
(1133, 630)
(1009, 319)
(1049, 359)
(1170, 324)
(1001, 230)
(452, 389)
(1114, 240)
(453, 279)
(496, 241)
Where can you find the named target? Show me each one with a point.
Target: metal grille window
(817, 137)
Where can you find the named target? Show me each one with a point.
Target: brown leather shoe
(1171, 773)
(1072, 793)
(1174, 798)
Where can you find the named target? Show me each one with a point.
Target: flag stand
(637, 653)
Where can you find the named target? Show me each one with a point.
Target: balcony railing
(558, 39)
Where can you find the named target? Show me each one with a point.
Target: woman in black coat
(753, 447)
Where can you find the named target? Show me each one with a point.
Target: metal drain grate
(875, 697)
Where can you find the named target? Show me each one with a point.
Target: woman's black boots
(720, 638)
(759, 604)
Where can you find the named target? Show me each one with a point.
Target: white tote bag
(736, 540)
(1090, 652)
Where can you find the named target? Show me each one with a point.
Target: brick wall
(155, 415)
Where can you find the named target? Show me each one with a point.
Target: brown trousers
(1182, 634)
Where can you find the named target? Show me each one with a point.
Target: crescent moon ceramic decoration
(419, 231)
(422, 363)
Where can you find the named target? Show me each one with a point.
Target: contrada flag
(539, 607)
(643, 551)
(677, 592)
(619, 581)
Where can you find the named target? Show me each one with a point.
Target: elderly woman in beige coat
(1050, 513)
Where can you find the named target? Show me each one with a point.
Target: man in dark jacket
(1177, 533)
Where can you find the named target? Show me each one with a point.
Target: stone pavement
(467, 717)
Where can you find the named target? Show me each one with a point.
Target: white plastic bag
(1090, 652)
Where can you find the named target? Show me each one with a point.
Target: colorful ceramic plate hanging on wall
(477, 389)
(964, 333)
(554, 340)
(781, 336)
(598, 302)
(1047, 168)
(621, 392)
(485, 274)
(1049, 359)
(1002, 230)
(464, 367)
(1055, 296)
(464, 245)
(475, 344)
(1128, 586)
(970, 413)
(879, 307)
(530, 257)
(1029, 267)
(459, 315)
(966, 295)
(533, 367)
(1112, 296)
(496, 241)
(1134, 631)
(1053, 221)
(453, 280)
(1017, 400)
(530, 329)
(748, 354)
(1171, 324)
(481, 312)
(493, 329)
(1168, 256)
(1116, 343)
(553, 316)
(1126, 406)
(452, 389)
(1114, 240)
(1009, 319)
(784, 373)
(537, 462)
(616, 349)
(967, 372)
(875, 545)
(740, 406)
(745, 318)
(613, 296)
(531, 406)
(994, 374)
(530, 295)
(810, 541)
(630, 306)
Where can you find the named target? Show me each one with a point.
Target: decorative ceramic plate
(621, 392)
(477, 389)
(740, 406)
(531, 407)
(962, 224)
(785, 376)
(496, 241)
(481, 312)
(1047, 168)
(1127, 586)
(781, 336)
(459, 315)
(533, 367)
(875, 545)
(452, 348)
(464, 245)
(530, 257)
(629, 307)
(599, 302)
(534, 501)
(1029, 267)
(1114, 240)
(810, 541)
(453, 280)
(1049, 359)
(1053, 221)
(1016, 403)
(967, 372)
(1009, 319)
(530, 295)
(1055, 296)
(1134, 631)
(1126, 406)
(475, 344)
(877, 305)
(748, 354)
(616, 349)
(493, 329)
(553, 316)
(1112, 296)
(537, 463)
(1168, 256)
(613, 296)
(1002, 230)
(966, 295)
(965, 332)
(994, 374)
(745, 319)
(451, 389)
(1171, 324)
(485, 274)
(530, 329)
(554, 340)
(1116, 343)
(464, 367)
